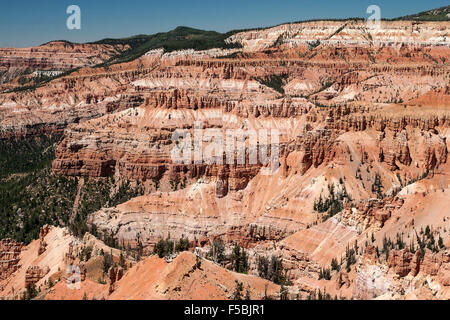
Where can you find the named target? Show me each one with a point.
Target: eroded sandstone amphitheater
(362, 190)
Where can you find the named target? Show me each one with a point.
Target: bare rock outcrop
(34, 274)
(9, 257)
(115, 274)
(402, 262)
(42, 244)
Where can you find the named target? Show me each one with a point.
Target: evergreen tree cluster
(26, 155)
(275, 82)
(174, 184)
(96, 194)
(389, 245)
(108, 261)
(425, 239)
(32, 196)
(350, 256)
(272, 269)
(319, 295)
(239, 260)
(237, 294)
(85, 253)
(217, 251)
(333, 204)
(167, 247)
(377, 187)
(31, 200)
(325, 273)
(30, 293)
(335, 266)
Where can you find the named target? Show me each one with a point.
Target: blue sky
(33, 22)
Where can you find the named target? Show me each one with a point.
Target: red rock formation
(432, 263)
(9, 257)
(341, 280)
(34, 274)
(42, 244)
(444, 270)
(51, 59)
(401, 261)
(115, 274)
